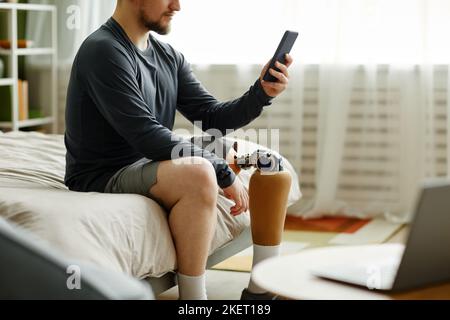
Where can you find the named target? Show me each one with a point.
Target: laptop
(423, 261)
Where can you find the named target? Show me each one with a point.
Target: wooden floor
(228, 285)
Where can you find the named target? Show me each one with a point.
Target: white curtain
(383, 112)
(372, 81)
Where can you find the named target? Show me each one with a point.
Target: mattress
(125, 233)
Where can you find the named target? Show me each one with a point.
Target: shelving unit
(14, 53)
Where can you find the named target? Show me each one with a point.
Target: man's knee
(202, 180)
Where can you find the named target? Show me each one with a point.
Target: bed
(125, 233)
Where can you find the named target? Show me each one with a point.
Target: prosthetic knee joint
(268, 191)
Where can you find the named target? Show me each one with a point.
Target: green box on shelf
(34, 113)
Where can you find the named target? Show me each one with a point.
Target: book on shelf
(23, 100)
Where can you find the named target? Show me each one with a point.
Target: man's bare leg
(189, 192)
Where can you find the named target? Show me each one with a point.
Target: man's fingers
(266, 67)
(236, 208)
(289, 60)
(283, 68)
(244, 205)
(237, 212)
(281, 77)
(241, 205)
(273, 89)
(238, 205)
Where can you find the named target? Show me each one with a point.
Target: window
(346, 31)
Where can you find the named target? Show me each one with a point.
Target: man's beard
(155, 26)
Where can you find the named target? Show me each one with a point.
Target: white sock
(261, 253)
(192, 288)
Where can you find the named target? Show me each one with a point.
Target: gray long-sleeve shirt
(121, 107)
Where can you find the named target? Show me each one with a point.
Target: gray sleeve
(109, 78)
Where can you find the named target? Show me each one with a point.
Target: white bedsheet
(127, 233)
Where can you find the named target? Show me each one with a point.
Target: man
(124, 91)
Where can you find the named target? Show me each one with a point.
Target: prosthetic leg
(268, 191)
(268, 205)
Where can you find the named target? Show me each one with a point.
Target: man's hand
(239, 195)
(274, 89)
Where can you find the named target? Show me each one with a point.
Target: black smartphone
(285, 47)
